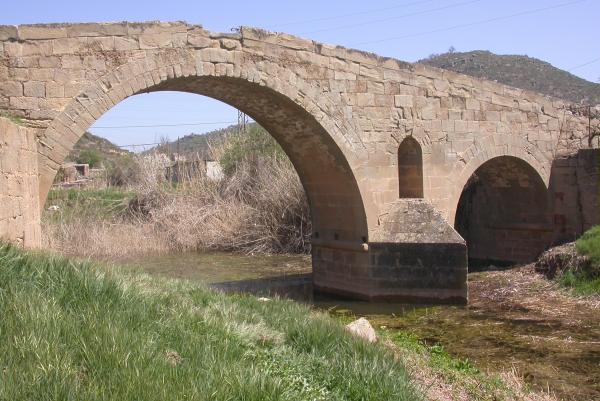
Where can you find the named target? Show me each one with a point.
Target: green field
(77, 331)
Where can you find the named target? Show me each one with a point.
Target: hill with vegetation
(196, 145)
(99, 152)
(93, 150)
(521, 72)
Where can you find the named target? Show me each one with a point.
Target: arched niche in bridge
(410, 169)
(504, 212)
(336, 205)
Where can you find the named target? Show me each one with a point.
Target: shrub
(254, 145)
(90, 157)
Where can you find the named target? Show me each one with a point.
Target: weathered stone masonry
(339, 114)
(19, 198)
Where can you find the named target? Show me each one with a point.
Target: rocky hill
(521, 72)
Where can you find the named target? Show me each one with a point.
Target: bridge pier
(414, 256)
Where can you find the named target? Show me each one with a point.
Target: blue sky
(565, 34)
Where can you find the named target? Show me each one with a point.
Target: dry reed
(260, 208)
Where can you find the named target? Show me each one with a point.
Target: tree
(90, 157)
(255, 144)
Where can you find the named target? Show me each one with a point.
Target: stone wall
(62, 77)
(575, 187)
(19, 206)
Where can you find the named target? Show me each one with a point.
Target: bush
(90, 157)
(256, 144)
(123, 172)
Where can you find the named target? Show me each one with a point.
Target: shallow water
(556, 353)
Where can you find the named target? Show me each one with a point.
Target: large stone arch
(485, 149)
(303, 119)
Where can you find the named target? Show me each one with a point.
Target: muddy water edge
(515, 319)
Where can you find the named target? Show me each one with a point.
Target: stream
(557, 351)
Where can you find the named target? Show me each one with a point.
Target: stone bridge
(396, 159)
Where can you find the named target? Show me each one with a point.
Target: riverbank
(77, 331)
(520, 330)
(85, 331)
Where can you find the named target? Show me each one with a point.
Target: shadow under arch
(504, 212)
(336, 205)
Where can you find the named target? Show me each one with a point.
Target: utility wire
(165, 125)
(584, 64)
(339, 16)
(500, 18)
(140, 144)
(431, 10)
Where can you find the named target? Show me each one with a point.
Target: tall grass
(75, 331)
(253, 210)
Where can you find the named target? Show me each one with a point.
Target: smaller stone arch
(504, 212)
(485, 149)
(410, 169)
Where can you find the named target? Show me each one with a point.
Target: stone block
(67, 46)
(472, 104)
(199, 41)
(55, 90)
(216, 55)
(125, 43)
(8, 32)
(49, 62)
(34, 89)
(230, 44)
(93, 30)
(492, 115)
(11, 88)
(403, 100)
(32, 32)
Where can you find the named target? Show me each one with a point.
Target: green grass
(585, 281)
(88, 203)
(14, 119)
(77, 331)
(581, 283)
(589, 244)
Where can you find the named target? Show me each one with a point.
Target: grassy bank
(585, 280)
(75, 331)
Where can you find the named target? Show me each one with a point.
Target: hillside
(195, 144)
(105, 149)
(521, 72)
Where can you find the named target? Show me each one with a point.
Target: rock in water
(363, 329)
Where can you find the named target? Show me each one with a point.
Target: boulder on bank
(362, 329)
